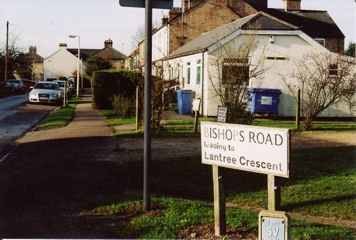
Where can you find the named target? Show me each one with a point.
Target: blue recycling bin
(184, 98)
(263, 100)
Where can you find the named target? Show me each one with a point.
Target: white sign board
(249, 148)
(196, 105)
(222, 112)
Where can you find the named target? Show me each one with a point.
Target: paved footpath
(54, 175)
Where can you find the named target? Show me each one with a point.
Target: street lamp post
(50, 61)
(78, 66)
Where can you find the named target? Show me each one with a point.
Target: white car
(45, 92)
(61, 88)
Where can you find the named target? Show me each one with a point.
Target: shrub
(107, 83)
(120, 104)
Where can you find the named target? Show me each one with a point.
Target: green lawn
(317, 125)
(171, 217)
(185, 128)
(61, 117)
(322, 182)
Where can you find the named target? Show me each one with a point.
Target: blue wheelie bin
(184, 98)
(264, 100)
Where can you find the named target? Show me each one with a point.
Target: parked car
(51, 79)
(45, 92)
(61, 87)
(15, 86)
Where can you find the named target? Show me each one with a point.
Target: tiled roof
(84, 52)
(313, 23)
(33, 58)
(258, 21)
(110, 53)
(207, 39)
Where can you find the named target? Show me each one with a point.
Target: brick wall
(335, 45)
(205, 17)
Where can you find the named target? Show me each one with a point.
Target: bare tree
(140, 34)
(16, 60)
(325, 81)
(236, 65)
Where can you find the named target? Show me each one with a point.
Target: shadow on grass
(288, 207)
(189, 178)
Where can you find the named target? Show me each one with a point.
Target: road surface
(16, 118)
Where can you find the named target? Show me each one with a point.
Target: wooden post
(196, 117)
(196, 122)
(137, 110)
(65, 102)
(219, 201)
(274, 193)
(297, 115)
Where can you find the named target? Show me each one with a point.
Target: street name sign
(248, 148)
(162, 4)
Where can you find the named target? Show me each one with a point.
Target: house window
(188, 73)
(333, 69)
(321, 41)
(235, 71)
(198, 72)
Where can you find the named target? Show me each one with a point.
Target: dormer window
(321, 41)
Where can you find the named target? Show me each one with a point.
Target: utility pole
(6, 50)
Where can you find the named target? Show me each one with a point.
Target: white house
(279, 45)
(61, 63)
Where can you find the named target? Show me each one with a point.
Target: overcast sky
(46, 23)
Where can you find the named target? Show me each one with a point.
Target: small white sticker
(266, 100)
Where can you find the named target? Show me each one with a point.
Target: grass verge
(322, 182)
(185, 128)
(61, 117)
(170, 218)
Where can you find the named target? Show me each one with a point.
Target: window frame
(198, 74)
(241, 63)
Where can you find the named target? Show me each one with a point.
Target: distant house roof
(312, 22)
(84, 52)
(110, 53)
(32, 57)
(258, 21)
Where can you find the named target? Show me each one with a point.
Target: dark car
(15, 86)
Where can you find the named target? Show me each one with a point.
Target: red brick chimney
(62, 45)
(174, 12)
(32, 49)
(108, 43)
(164, 20)
(291, 5)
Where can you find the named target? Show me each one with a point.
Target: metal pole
(147, 111)
(7, 50)
(78, 66)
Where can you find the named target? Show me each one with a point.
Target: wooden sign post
(196, 108)
(219, 201)
(247, 148)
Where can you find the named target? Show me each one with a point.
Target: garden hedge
(106, 83)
